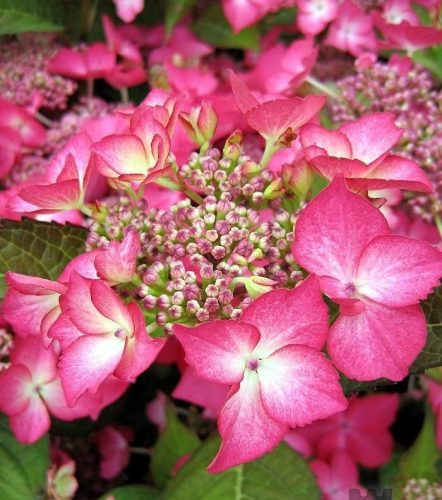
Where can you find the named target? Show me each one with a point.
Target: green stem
(43, 119)
(84, 209)
(140, 451)
(323, 88)
(169, 184)
(193, 196)
(269, 151)
(124, 93)
(90, 87)
(438, 223)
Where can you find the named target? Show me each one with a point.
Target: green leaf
(214, 28)
(431, 59)
(175, 441)
(431, 354)
(422, 458)
(22, 467)
(131, 492)
(18, 16)
(175, 11)
(38, 248)
(279, 475)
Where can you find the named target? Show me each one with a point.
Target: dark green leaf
(38, 248)
(175, 441)
(175, 11)
(18, 16)
(280, 475)
(214, 28)
(431, 355)
(22, 467)
(131, 492)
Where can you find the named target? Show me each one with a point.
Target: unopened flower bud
(200, 124)
(274, 190)
(298, 178)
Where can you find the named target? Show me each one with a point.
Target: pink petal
(30, 425)
(297, 316)
(16, 389)
(201, 392)
(398, 172)
(372, 135)
(140, 351)
(247, 431)
(64, 331)
(299, 385)
(217, 350)
(87, 362)
(124, 154)
(68, 62)
(373, 413)
(63, 195)
(332, 167)
(83, 264)
(378, 342)
(243, 97)
(398, 271)
(333, 230)
(109, 304)
(78, 304)
(333, 142)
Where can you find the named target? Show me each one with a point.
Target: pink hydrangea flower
(314, 15)
(377, 279)
(31, 389)
(337, 477)
(396, 11)
(352, 30)
(69, 173)
(140, 154)
(128, 10)
(274, 119)
(359, 150)
(113, 447)
(405, 36)
(117, 262)
(362, 431)
(272, 360)
(15, 118)
(88, 63)
(99, 336)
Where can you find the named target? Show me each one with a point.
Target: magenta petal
(243, 97)
(379, 342)
(297, 316)
(333, 230)
(217, 350)
(398, 271)
(332, 141)
(30, 425)
(63, 195)
(87, 362)
(299, 385)
(247, 431)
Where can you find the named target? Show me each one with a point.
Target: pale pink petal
(16, 389)
(218, 350)
(398, 271)
(299, 385)
(124, 154)
(246, 429)
(333, 230)
(372, 135)
(64, 331)
(297, 316)
(378, 342)
(87, 362)
(41, 362)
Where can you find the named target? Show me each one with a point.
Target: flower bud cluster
(23, 74)
(5, 348)
(207, 261)
(416, 102)
(421, 489)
